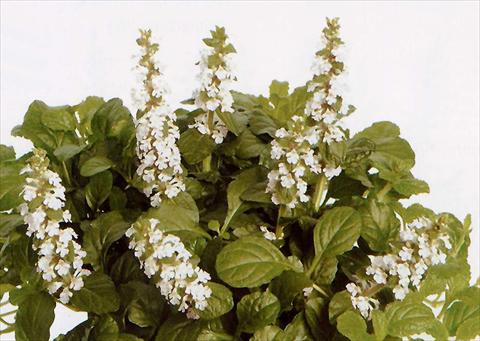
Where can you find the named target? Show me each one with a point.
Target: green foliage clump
(311, 266)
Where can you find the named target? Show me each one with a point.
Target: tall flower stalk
(60, 257)
(157, 134)
(164, 258)
(296, 147)
(216, 79)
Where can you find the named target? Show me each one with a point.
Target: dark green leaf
(380, 225)
(95, 165)
(257, 310)
(98, 295)
(34, 317)
(249, 262)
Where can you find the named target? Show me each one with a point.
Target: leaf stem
(320, 290)
(384, 191)
(318, 194)
(67, 175)
(207, 164)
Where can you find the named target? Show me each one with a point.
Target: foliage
(284, 281)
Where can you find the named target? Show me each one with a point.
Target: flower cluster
(160, 161)
(216, 79)
(164, 258)
(60, 258)
(422, 245)
(326, 105)
(293, 149)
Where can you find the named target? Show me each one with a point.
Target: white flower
(169, 264)
(51, 242)
(330, 172)
(29, 193)
(307, 291)
(353, 289)
(268, 234)
(214, 92)
(400, 292)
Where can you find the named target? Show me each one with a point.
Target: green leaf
(261, 123)
(179, 328)
(86, 110)
(269, 333)
(95, 165)
(220, 303)
(406, 318)
(353, 326)
(250, 262)
(147, 307)
(248, 145)
(380, 324)
(469, 329)
(11, 185)
(67, 151)
(126, 268)
(380, 225)
(235, 122)
(98, 189)
(106, 329)
(8, 222)
(278, 89)
(194, 146)
(460, 311)
(179, 216)
(238, 187)
(98, 295)
(257, 310)
(34, 317)
(339, 304)
(393, 156)
(117, 199)
(113, 120)
(6, 153)
(287, 286)
(58, 118)
(298, 329)
(409, 186)
(315, 316)
(81, 332)
(335, 233)
(100, 234)
(34, 130)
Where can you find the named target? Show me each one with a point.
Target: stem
(65, 171)
(320, 290)
(281, 213)
(319, 189)
(373, 290)
(384, 191)
(207, 164)
(315, 262)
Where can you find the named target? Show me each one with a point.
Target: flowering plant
(234, 217)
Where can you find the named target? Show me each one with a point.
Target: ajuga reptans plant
(231, 217)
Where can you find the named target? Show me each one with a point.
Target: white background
(416, 64)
